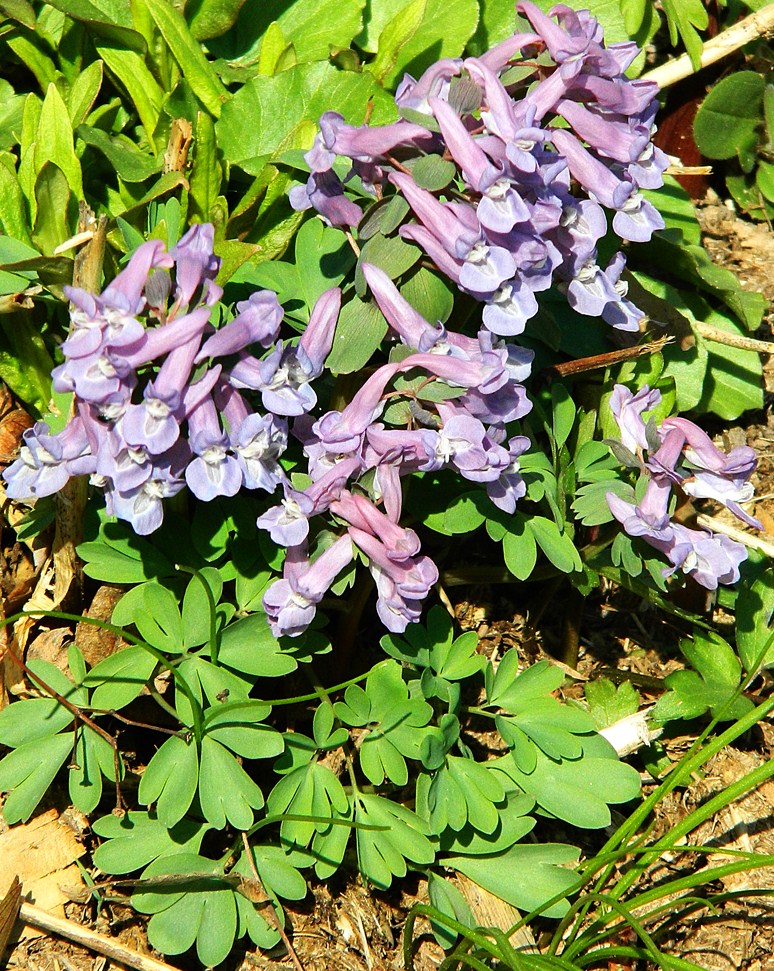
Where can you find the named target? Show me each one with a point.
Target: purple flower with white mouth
(126, 466)
(324, 193)
(143, 506)
(291, 603)
(415, 94)
(509, 308)
(637, 219)
(258, 442)
(713, 474)
(509, 486)
(408, 323)
(47, 461)
(413, 576)
(628, 410)
(401, 544)
(595, 177)
(214, 471)
(284, 376)
(710, 558)
(288, 523)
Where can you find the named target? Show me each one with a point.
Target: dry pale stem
(759, 24)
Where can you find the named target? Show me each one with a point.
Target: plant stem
(571, 624)
(760, 24)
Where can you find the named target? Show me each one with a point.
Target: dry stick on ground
(760, 24)
(78, 934)
(597, 361)
(746, 539)
(718, 336)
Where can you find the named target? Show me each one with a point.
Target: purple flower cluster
(547, 133)
(356, 463)
(678, 453)
(163, 400)
(153, 410)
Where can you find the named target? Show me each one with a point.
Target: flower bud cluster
(546, 133)
(678, 454)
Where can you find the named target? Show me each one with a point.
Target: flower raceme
(162, 401)
(679, 454)
(548, 136)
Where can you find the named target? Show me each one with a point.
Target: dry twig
(759, 24)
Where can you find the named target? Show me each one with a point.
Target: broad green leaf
(525, 876)
(122, 557)
(27, 721)
(136, 839)
(463, 514)
(55, 140)
(432, 172)
(108, 20)
(83, 93)
(754, 612)
(226, 792)
(395, 35)
(27, 773)
(137, 80)
(269, 115)
(120, 677)
(360, 329)
(390, 253)
(382, 853)
(683, 17)
(562, 413)
(170, 780)
(557, 546)
(313, 27)
(20, 11)
(206, 171)
(730, 115)
(519, 547)
(445, 28)
(159, 621)
(608, 703)
(446, 898)
(55, 207)
(734, 384)
(205, 913)
(211, 18)
(130, 164)
(429, 294)
(12, 205)
(239, 726)
(25, 364)
(196, 609)
(189, 55)
(249, 646)
(580, 790)
(322, 257)
(93, 758)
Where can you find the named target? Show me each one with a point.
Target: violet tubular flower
(291, 603)
(678, 453)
